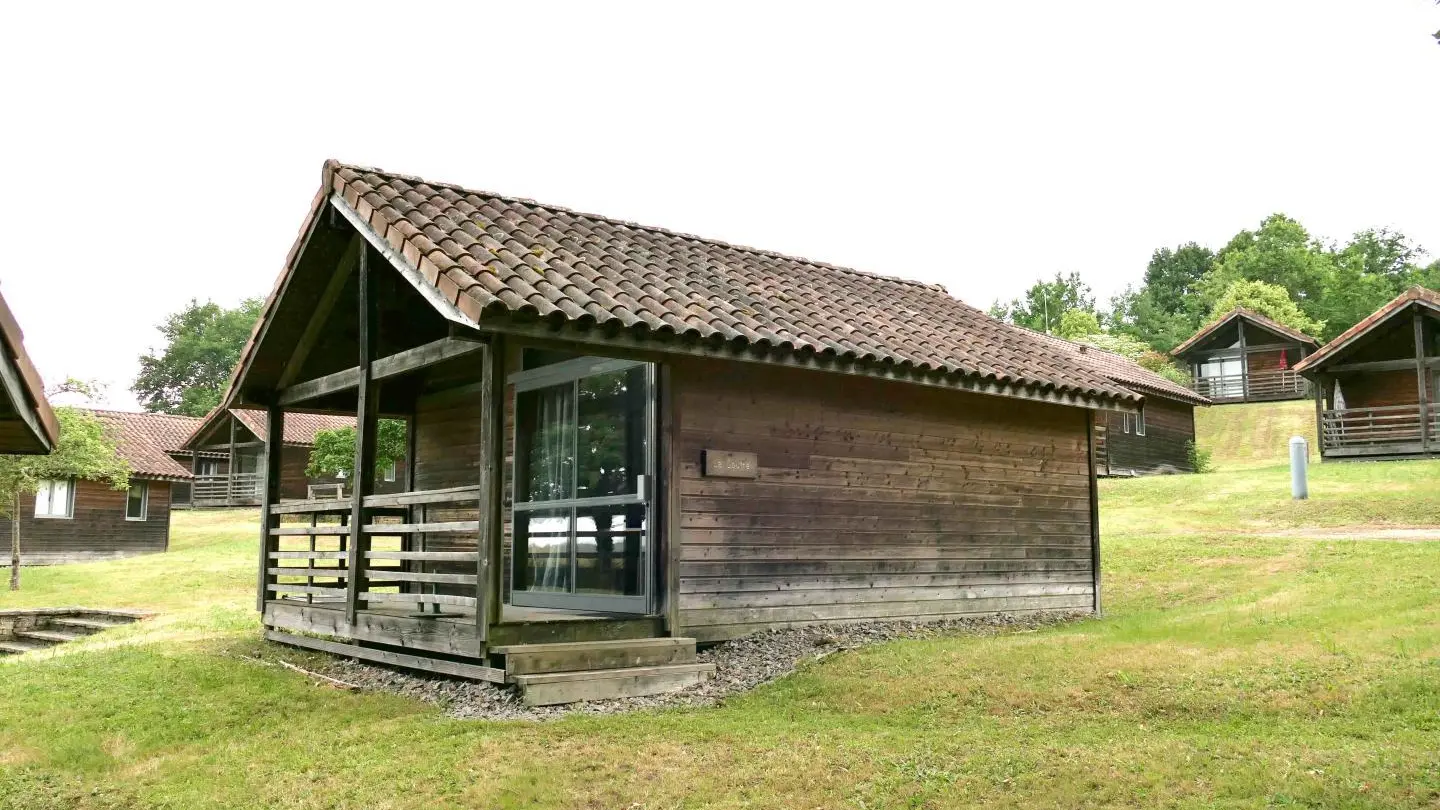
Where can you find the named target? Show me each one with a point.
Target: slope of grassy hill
(1254, 434)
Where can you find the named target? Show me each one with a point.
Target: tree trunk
(15, 543)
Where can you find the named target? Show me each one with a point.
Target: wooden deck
(1392, 431)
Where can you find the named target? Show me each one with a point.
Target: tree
(1046, 302)
(1142, 354)
(85, 450)
(1270, 300)
(202, 346)
(334, 451)
(1077, 323)
(1281, 253)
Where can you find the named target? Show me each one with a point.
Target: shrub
(1199, 458)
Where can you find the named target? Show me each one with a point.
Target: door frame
(648, 494)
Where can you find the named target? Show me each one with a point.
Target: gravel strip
(740, 665)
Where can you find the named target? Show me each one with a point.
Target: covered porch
(1245, 357)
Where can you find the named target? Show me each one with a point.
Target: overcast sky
(157, 156)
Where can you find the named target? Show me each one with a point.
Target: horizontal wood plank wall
(98, 531)
(1376, 389)
(447, 454)
(1168, 426)
(874, 500)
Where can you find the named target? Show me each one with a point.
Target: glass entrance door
(583, 485)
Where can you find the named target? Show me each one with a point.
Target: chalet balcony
(239, 489)
(1253, 387)
(1391, 430)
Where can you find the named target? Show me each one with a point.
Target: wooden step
(49, 636)
(579, 656)
(18, 647)
(85, 625)
(551, 688)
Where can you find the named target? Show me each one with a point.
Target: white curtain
(551, 467)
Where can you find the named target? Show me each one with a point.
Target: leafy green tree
(1046, 302)
(1270, 300)
(1171, 276)
(202, 345)
(1281, 253)
(334, 450)
(85, 450)
(1077, 323)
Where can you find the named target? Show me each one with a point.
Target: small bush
(1199, 458)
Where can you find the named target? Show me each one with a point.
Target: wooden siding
(447, 454)
(1376, 389)
(98, 529)
(1168, 426)
(874, 501)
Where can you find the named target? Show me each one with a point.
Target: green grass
(1233, 668)
(1254, 434)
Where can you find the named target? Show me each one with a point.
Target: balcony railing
(1256, 385)
(1388, 429)
(240, 489)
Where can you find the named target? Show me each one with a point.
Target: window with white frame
(137, 500)
(55, 498)
(392, 472)
(208, 466)
(1140, 422)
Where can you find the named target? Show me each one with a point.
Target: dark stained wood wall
(874, 500)
(447, 454)
(98, 529)
(1375, 389)
(1168, 426)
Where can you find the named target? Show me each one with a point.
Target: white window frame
(392, 472)
(1140, 422)
(144, 501)
(47, 486)
(1125, 421)
(208, 466)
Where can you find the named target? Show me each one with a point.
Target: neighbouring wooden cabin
(229, 457)
(1246, 357)
(1152, 440)
(76, 520)
(27, 425)
(1376, 386)
(629, 440)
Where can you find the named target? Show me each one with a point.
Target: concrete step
(580, 656)
(85, 625)
(20, 647)
(49, 636)
(551, 688)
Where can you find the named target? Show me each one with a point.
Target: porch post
(492, 452)
(230, 473)
(1094, 510)
(274, 432)
(363, 474)
(669, 496)
(1320, 413)
(194, 470)
(1244, 362)
(1420, 382)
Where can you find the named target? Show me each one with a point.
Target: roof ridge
(659, 229)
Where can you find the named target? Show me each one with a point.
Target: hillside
(1255, 434)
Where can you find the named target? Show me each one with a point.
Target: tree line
(1279, 269)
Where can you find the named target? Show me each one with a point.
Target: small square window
(137, 500)
(55, 499)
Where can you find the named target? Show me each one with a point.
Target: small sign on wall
(729, 464)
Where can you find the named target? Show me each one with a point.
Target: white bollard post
(1299, 463)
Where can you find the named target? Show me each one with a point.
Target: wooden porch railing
(240, 489)
(1392, 428)
(1260, 385)
(314, 564)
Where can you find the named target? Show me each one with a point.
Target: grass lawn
(1240, 663)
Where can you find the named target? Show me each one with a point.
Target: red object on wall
(1284, 364)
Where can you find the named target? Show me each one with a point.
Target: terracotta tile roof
(1249, 315)
(300, 428)
(504, 260)
(39, 432)
(1415, 295)
(145, 440)
(1123, 370)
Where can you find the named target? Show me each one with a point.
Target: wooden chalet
(1152, 440)
(1376, 384)
(1246, 357)
(627, 440)
(27, 425)
(226, 452)
(77, 520)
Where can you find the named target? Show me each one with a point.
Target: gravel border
(740, 666)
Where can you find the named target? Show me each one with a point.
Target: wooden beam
(1421, 381)
(321, 313)
(489, 529)
(1094, 513)
(428, 354)
(422, 663)
(274, 432)
(672, 535)
(1244, 364)
(1320, 413)
(1385, 365)
(363, 473)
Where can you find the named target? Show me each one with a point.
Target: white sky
(155, 156)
